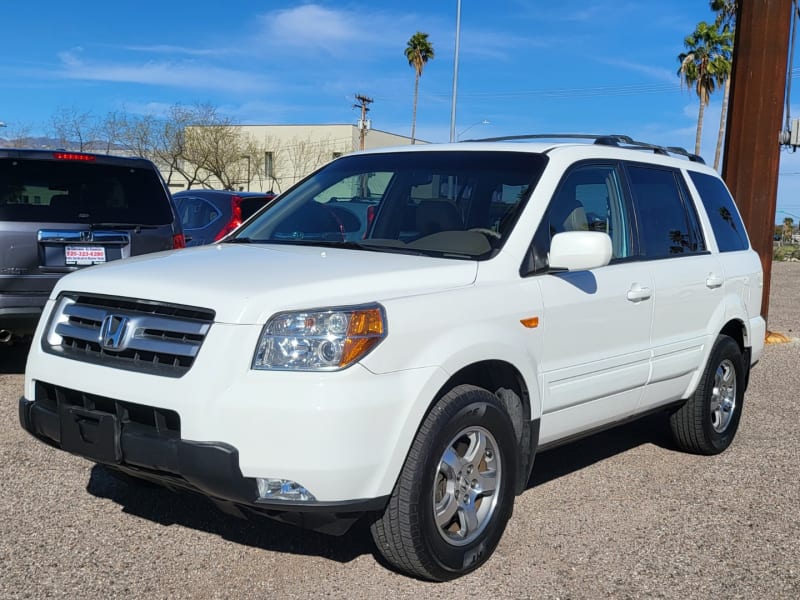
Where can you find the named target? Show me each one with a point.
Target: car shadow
(13, 357)
(575, 456)
(186, 509)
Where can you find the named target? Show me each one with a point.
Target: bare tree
(225, 152)
(19, 136)
(138, 137)
(302, 156)
(254, 155)
(110, 131)
(217, 149)
(170, 149)
(73, 128)
(195, 144)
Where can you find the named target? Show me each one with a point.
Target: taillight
(178, 241)
(371, 210)
(74, 156)
(236, 218)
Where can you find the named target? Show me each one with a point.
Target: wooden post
(755, 119)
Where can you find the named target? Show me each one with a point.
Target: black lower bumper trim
(210, 468)
(21, 321)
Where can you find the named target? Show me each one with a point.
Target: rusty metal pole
(755, 118)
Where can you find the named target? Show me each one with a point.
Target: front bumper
(144, 442)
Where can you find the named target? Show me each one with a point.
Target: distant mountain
(46, 143)
(33, 142)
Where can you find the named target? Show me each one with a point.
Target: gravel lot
(619, 515)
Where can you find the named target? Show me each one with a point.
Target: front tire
(707, 422)
(455, 493)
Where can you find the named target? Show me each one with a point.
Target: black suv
(61, 211)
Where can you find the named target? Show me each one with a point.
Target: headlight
(320, 340)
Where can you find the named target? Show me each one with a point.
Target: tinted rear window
(69, 192)
(728, 227)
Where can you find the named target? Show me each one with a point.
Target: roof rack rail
(614, 139)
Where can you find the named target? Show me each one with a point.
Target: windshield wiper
(351, 245)
(347, 245)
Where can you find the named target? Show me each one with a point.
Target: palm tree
(418, 52)
(726, 11)
(788, 229)
(705, 65)
(725, 22)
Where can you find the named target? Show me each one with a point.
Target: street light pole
(481, 122)
(455, 73)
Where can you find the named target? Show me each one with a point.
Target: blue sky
(525, 66)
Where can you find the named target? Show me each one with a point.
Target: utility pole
(755, 117)
(363, 123)
(455, 74)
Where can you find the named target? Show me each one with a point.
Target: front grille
(153, 337)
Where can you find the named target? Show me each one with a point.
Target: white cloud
(646, 69)
(173, 74)
(167, 49)
(313, 28)
(313, 25)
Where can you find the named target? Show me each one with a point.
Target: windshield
(457, 204)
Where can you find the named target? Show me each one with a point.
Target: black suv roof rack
(614, 139)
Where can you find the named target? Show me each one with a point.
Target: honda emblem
(112, 332)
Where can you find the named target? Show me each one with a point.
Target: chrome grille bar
(160, 338)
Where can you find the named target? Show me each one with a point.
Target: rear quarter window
(196, 213)
(722, 213)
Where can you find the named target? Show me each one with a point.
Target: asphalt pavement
(621, 514)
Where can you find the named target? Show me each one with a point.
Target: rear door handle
(714, 281)
(638, 293)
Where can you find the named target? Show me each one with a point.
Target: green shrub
(786, 252)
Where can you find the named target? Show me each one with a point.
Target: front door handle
(638, 293)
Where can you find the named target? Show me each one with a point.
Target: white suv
(401, 333)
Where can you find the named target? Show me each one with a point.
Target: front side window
(589, 198)
(667, 223)
(449, 204)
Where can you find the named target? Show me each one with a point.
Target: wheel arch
(736, 329)
(505, 381)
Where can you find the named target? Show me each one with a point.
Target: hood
(249, 283)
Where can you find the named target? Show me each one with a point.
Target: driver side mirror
(579, 250)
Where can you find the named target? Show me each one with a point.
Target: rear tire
(455, 494)
(707, 422)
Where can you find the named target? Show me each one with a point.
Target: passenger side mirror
(579, 250)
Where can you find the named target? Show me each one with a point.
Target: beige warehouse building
(284, 154)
